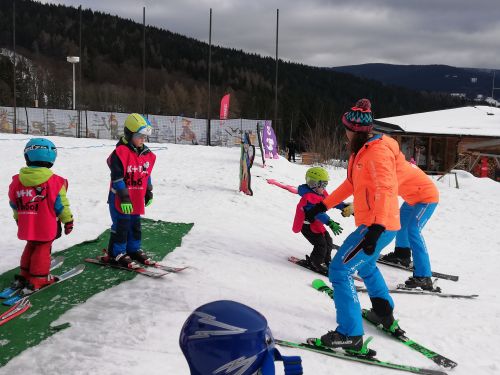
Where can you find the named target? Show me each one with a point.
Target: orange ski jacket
(372, 180)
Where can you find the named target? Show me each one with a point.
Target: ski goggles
(313, 184)
(140, 136)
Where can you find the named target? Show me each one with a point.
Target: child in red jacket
(38, 198)
(312, 192)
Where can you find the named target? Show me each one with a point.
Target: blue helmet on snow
(40, 152)
(229, 338)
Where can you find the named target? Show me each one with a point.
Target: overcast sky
(463, 33)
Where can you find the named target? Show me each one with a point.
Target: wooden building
(459, 138)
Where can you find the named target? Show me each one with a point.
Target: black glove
(369, 243)
(148, 198)
(59, 229)
(316, 209)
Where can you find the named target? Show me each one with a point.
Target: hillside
(237, 250)
(432, 78)
(177, 73)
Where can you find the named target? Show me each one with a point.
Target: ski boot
(36, 283)
(124, 260)
(351, 344)
(425, 283)
(400, 255)
(141, 257)
(388, 323)
(19, 282)
(317, 267)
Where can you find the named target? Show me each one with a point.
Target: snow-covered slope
(237, 250)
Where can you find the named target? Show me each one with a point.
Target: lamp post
(73, 60)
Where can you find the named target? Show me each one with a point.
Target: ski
(369, 360)
(9, 291)
(65, 276)
(306, 266)
(400, 336)
(141, 270)
(410, 268)
(320, 285)
(168, 269)
(15, 310)
(151, 264)
(402, 289)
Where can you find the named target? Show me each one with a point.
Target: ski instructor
(371, 179)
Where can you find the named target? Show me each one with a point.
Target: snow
(237, 250)
(475, 121)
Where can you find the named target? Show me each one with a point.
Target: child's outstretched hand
(335, 227)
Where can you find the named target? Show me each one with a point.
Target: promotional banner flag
(269, 141)
(224, 106)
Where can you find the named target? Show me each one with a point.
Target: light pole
(73, 60)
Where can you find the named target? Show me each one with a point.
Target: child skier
(38, 198)
(312, 192)
(131, 190)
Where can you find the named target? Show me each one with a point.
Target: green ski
(312, 345)
(396, 332)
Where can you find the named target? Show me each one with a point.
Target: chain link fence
(109, 125)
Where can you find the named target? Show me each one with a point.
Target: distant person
(371, 179)
(131, 190)
(38, 198)
(227, 337)
(292, 148)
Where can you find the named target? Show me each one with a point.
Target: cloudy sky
(464, 33)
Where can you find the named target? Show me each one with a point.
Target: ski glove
(335, 227)
(68, 227)
(316, 209)
(348, 210)
(148, 198)
(369, 243)
(59, 229)
(127, 208)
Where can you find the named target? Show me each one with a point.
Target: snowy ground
(237, 250)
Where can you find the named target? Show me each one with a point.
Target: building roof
(472, 121)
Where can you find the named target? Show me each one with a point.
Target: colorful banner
(224, 107)
(246, 162)
(269, 141)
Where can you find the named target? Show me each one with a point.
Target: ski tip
(318, 283)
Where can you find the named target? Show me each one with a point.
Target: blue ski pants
(345, 263)
(125, 231)
(413, 220)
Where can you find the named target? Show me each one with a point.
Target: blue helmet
(40, 152)
(229, 338)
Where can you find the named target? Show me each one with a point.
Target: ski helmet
(227, 337)
(317, 177)
(40, 152)
(137, 124)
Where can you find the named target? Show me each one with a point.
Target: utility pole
(80, 78)
(14, 62)
(209, 106)
(144, 60)
(276, 80)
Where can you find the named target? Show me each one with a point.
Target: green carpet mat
(29, 329)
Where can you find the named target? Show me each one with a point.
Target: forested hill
(176, 77)
(436, 78)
